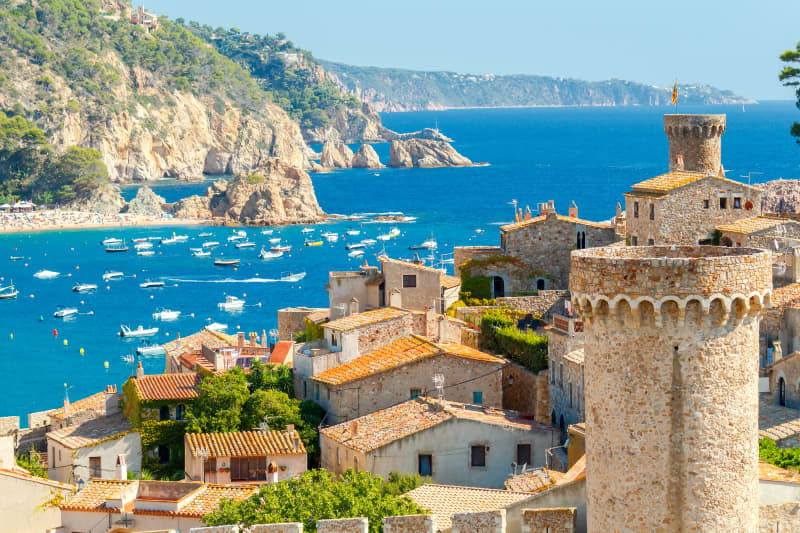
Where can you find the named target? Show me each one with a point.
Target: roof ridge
(464, 487)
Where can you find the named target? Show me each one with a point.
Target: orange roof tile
(167, 386)
(387, 259)
(94, 495)
(192, 343)
(91, 431)
(208, 499)
(25, 476)
(245, 443)
(577, 471)
(450, 282)
(364, 319)
(95, 402)
(280, 352)
(562, 218)
(668, 181)
(533, 481)
(768, 472)
(401, 352)
(754, 224)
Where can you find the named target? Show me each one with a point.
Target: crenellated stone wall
(415, 523)
(671, 373)
(343, 525)
(555, 520)
(483, 522)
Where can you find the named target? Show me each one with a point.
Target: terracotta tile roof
(94, 495)
(753, 225)
(319, 316)
(91, 431)
(190, 360)
(670, 180)
(192, 343)
(533, 481)
(449, 282)
(245, 443)
(786, 295)
(167, 386)
(95, 402)
(33, 479)
(768, 472)
(209, 498)
(578, 471)
(409, 264)
(280, 352)
(562, 218)
(398, 422)
(443, 501)
(403, 351)
(366, 318)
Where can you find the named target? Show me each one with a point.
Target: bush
(769, 452)
(501, 335)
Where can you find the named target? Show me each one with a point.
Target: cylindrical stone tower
(671, 371)
(695, 142)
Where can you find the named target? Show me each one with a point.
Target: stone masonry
(671, 342)
(555, 520)
(415, 523)
(695, 142)
(277, 528)
(343, 525)
(483, 522)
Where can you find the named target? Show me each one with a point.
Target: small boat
(234, 238)
(205, 234)
(84, 287)
(16, 258)
(150, 349)
(356, 253)
(216, 326)
(241, 233)
(353, 232)
(245, 244)
(151, 284)
(312, 243)
(384, 237)
(157, 238)
(8, 292)
(266, 232)
(281, 249)
(307, 230)
(231, 303)
(117, 247)
(226, 262)
(143, 245)
(394, 232)
(430, 244)
(201, 253)
(181, 238)
(46, 274)
(263, 254)
(112, 274)
(125, 331)
(288, 276)
(111, 240)
(331, 236)
(146, 253)
(64, 312)
(355, 245)
(141, 239)
(166, 314)
(170, 240)
(275, 240)
(210, 244)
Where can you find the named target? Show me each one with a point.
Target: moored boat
(282, 249)
(263, 254)
(355, 253)
(210, 244)
(226, 262)
(275, 240)
(231, 303)
(111, 240)
(146, 245)
(112, 274)
(307, 230)
(312, 243)
(216, 326)
(355, 245)
(166, 314)
(64, 312)
(141, 331)
(117, 247)
(46, 274)
(288, 276)
(146, 253)
(8, 292)
(151, 284)
(205, 234)
(16, 258)
(201, 253)
(245, 244)
(84, 287)
(150, 349)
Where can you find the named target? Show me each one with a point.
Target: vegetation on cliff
(790, 76)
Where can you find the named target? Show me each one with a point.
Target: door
(498, 287)
(781, 392)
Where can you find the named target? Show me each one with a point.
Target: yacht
(8, 292)
(288, 276)
(356, 253)
(275, 240)
(150, 349)
(117, 247)
(155, 238)
(205, 234)
(266, 232)
(234, 238)
(16, 258)
(111, 240)
(429, 244)
(394, 232)
(226, 262)
(353, 232)
(307, 230)
(263, 254)
(384, 237)
(331, 236)
(201, 253)
(46, 274)
(64, 312)
(140, 239)
(355, 245)
(368, 242)
(125, 331)
(166, 314)
(146, 245)
(210, 244)
(84, 287)
(245, 244)
(231, 303)
(169, 240)
(112, 274)
(151, 284)
(146, 253)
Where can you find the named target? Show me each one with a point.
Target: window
(409, 281)
(477, 456)
(477, 397)
(180, 411)
(652, 211)
(248, 468)
(580, 240)
(333, 339)
(415, 393)
(723, 203)
(163, 413)
(635, 209)
(327, 393)
(737, 203)
(634, 240)
(305, 389)
(650, 242)
(569, 389)
(94, 467)
(523, 454)
(540, 284)
(552, 372)
(706, 204)
(316, 391)
(561, 375)
(425, 465)
(163, 455)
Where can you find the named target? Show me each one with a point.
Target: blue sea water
(589, 155)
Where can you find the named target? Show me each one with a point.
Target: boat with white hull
(231, 303)
(46, 274)
(166, 314)
(112, 274)
(65, 312)
(141, 331)
(84, 287)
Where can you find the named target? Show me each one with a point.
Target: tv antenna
(438, 384)
(749, 175)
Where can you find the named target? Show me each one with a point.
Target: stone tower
(671, 395)
(695, 142)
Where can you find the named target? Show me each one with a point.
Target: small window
(415, 393)
(425, 465)
(635, 209)
(94, 467)
(540, 284)
(723, 203)
(561, 375)
(634, 240)
(180, 411)
(523, 454)
(409, 281)
(327, 394)
(316, 391)
(706, 204)
(652, 212)
(333, 339)
(569, 389)
(163, 413)
(477, 397)
(650, 242)
(737, 203)
(477, 456)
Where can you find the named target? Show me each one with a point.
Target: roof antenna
(438, 383)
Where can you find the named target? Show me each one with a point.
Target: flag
(675, 94)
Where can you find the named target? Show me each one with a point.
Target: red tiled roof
(167, 386)
(281, 352)
(245, 443)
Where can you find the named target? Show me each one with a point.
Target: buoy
(81, 302)
(167, 334)
(11, 336)
(191, 315)
(77, 267)
(108, 288)
(31, 295)
(81, 351)
(66, 342)
(235, 269)
(55, 333)
(244, 295)
(151, 296)
(105, 364)
(41, 318)
(91, 312)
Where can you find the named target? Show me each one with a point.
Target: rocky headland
(425, 154)
(146, 202)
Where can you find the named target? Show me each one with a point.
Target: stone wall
(343, 525)
(359, 341)
(426, 293)
(788, 369)
(277, 528)
(484, 522)
(291, 321)
(554, 520)
(529, 392)
(566, 388)
(8, 424)
(416, 523)
(764, 238)
(671, 337)
(462, 254)
(697, 139)
(547, 301)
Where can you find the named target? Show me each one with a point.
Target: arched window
(580, 240)
(781, 392)
(553, 417)
(541, 284)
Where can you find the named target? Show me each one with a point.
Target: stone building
(404, 370)
(533, 253)
(685, 205)
(566, 361)
(671, 337)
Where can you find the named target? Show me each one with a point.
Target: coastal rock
(425, 153)
(351, 124)
(780, 196)
(272, 193)
(366, 157)
(146, 202)
(430, 134)
(336, 155)
(105, 199)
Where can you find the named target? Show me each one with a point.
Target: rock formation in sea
(425, 153)
(366, 157)
(146, 202)
(104, 199)
(336, 154)
(361, 124)
(272, 193)
(780, 196)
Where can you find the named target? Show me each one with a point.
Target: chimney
(354, 428)
(678, 162)
(122, 468)
(252, 338)
(178, 340)
(573, 210)
(416, 259)
(354, 306)
(139, 370)
(619, 209)
(289, 428)
(219, 360)
(66, 406)
(777, 352)
(264, 338)
(547, 208)
(240, 340)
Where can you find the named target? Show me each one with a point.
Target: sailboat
(8, 292)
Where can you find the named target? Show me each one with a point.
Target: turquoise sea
(589, 155)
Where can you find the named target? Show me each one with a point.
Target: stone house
(565, 362)
(207, 360)
(760, 232)
(366, 285)
(88, 450)
(533, 253)
(454, 443)
(784, 379)
(139, 505)
(403, 370)
(258, 456)
(193, 344)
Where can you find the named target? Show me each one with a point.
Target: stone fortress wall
(671, 385)
(697, 139)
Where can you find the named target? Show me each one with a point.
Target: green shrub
(501, 335)
(769, 452)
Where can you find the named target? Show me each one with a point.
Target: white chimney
(139, 370)
(122, 468)
(264, 338)
(178, 340)
(219, 360)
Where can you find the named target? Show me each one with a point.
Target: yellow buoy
(105, 364)
(81, 351)
(66, 342)
(11, 335)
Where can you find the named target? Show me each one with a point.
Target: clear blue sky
(732, 44)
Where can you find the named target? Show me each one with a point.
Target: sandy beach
(57, 219)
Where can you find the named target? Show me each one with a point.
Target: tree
(316, 495)
(790, 76)
(32, 462)
(219, 405)
(270, 377)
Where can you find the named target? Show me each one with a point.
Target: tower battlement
(695, 142)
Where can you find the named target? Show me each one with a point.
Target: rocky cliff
(146, 202)
(366, 157)
(425, 153)
(273, 193)
(336, 155)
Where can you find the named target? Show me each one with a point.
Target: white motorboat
(140, 239)
(156, 238)
(226, 262)
(170, 240)
(112, 274)
(275, 240)
(385, 237)
(245, 244)
(146, 253)
(111, 240)
(231, 303)
(84, 287)
(147, 245)
(216, 326)
(166, 314)
(394, 232)
(356, 253)
(429, 244)
(8, 292)
(46, 274)
(353, 232)
(236, 237)
(151, 284)
(64, 312)
(210, 244)
(181, 238)
(266, 232)
(355, 245)
(331, 236)
(307, 230)
(288, 276)
(117, 247)
(281, 249)
(368, 242)
(269, 255)
(150, 349)
(201, 253)
(141, 331)
(15, 258)
(205, 234)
